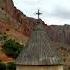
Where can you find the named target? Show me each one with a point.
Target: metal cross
(38, 13)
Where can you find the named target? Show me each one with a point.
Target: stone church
(38, 54)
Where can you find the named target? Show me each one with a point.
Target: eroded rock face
(19, 20)
(26, 24)
(7, 5)
(59, 33)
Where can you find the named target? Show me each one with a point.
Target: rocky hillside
(18, 26)
(23, 24)
(59, 33)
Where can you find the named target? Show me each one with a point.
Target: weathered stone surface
(7, 5)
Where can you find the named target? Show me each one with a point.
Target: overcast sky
(54, 11)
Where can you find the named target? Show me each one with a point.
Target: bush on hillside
(12, 48)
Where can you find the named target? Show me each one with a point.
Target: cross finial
(38, 13)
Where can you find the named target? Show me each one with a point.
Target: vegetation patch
(12, 48)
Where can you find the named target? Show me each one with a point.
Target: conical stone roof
(38, 50)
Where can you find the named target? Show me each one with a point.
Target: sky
(54, 12)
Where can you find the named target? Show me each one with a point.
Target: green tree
(12, 48)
